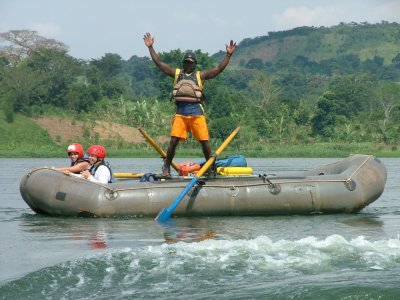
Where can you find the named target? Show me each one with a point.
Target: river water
(341, 256)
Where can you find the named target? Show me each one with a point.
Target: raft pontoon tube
(345, 186)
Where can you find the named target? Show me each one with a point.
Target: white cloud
(49, 30)
(388, 11)
(304, 16)
(333, 14)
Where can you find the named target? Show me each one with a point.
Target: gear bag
(237, 160)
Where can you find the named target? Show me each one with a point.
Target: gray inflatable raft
(345, 186)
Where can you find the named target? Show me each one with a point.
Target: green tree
(353, 93)
(255, 63)
(23, 87)
(293, 86)
(396, 61)
(58, 70)
(325, 117)
(139, 67)
(110, 65)
(302, 114)
(220, 128)
(388, 96)
(141, 76)
(267, 91)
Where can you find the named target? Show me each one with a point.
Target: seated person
(100, 170)
(78, 162)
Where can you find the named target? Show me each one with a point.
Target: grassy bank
(23, 138)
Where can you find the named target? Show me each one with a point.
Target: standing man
(188, 85)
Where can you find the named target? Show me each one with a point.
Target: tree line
(287, 100)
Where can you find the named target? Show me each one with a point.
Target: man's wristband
(229, 55)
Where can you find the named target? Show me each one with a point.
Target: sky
(92, 28)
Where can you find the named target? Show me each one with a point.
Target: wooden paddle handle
(157, 147)
(209, 162)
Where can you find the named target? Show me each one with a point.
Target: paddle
(166, 213)
(157, 147)
(128, 175)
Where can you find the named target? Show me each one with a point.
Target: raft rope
(347, 180)
(266, 181)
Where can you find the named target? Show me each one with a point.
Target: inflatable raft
(345, 186)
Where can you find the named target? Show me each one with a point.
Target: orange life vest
(188, 167)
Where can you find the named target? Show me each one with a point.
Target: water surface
(341, 256)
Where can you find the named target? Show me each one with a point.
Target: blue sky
(92, 28)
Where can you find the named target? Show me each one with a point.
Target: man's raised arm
(149, 41)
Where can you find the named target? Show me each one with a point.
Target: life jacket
(79, 160)
(94, 168)
(188, 87)
(188, 167)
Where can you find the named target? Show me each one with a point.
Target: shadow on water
(102, 233)
(364, 222)
(187, 230)
(94, 232)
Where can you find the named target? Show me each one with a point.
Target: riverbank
(49, 136)
(275, 151)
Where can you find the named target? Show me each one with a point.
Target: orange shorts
(196, 124)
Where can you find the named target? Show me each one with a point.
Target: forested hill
(316, 44)
(300, 86)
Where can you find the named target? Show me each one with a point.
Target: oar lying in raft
(224, 172)
(164, 214)
(126, 175)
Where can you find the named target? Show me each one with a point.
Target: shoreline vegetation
(316, 150)
(23, 138)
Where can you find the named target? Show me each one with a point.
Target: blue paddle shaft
(166, 213)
